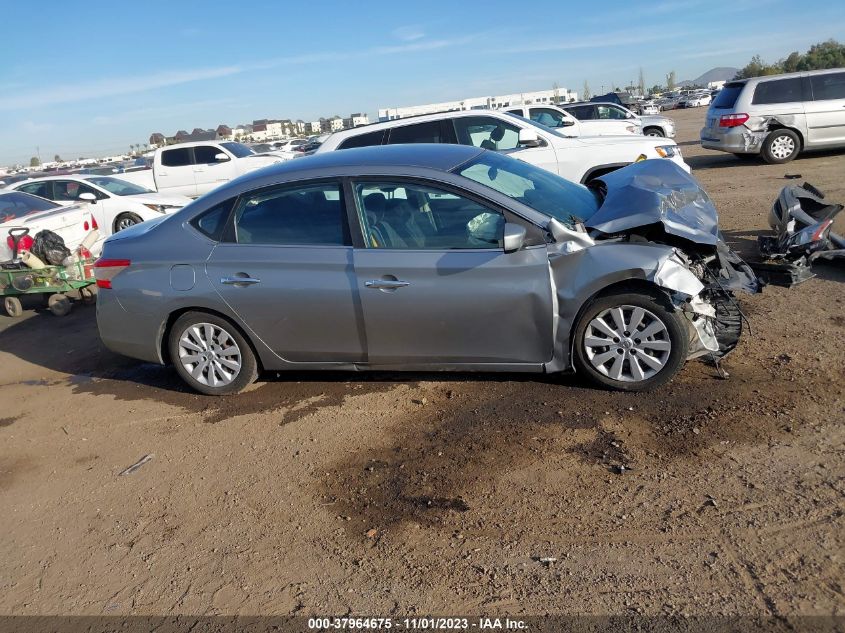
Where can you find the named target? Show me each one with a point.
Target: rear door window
(293, 215)
(828, 86)
(176, 157)
(778, 91)
(418, 133)
(42, 189)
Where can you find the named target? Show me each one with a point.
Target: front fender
(577, 277)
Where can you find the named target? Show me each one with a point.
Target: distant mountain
(723, 73)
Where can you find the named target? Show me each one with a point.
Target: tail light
(107, 269)
(733, 120)
(92, 226)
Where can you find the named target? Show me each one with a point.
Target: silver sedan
(421, 257)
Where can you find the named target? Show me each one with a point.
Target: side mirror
(87, 197)
(567, 123)
(528, 138)
(221, 157)
(514, 237)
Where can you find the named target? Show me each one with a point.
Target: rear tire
(125, 220)
(13, 307)
(781, 146)
(630, 341)
(59, 304)
(211, 355)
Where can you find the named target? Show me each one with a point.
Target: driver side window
(410, 216)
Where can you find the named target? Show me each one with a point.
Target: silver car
(778, 116)
(421, 257)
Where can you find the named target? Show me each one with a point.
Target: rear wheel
(630, 341)
(781, 146)
(210, 354)
(59, 304)
(125, 220)
(13, 306)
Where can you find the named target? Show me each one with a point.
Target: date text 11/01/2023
(416, 623)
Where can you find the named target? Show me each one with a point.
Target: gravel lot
(394, 494)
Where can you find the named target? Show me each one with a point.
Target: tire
(59, 304)
(189, 338)
(781, 146)
(125, 220)
(13, 307)
(666, 346)
(654, 131)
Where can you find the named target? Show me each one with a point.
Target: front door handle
(386, 284)
(240, 281)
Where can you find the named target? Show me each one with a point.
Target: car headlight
(161, 208)
(667, 151)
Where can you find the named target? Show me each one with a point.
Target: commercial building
(558, 95)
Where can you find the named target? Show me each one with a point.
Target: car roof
(417, 118)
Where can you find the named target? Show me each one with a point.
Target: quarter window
(486, 133)
(778, 91)
(362, 140)
(828, 86)
(176, 157)
(291, 215)
(418, 217)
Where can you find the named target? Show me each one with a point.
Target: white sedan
(698, 100)
(116, 204)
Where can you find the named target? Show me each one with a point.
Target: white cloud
(408, 33)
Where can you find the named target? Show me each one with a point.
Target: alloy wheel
(125, 223)
(209, 354)
(627, 343)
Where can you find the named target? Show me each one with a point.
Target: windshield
(539, 126)
(537, 188)
(117, 186)
(16, 204)
(238, 149)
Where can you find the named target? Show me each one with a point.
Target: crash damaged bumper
(802, 221)
(747, 138)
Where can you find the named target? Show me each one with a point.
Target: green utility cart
(53, 282)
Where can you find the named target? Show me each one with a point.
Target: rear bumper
(136, 336)
(736, 140)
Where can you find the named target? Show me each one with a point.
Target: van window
(176, 157)
(778, 91)
(727, 96)
(828, 86)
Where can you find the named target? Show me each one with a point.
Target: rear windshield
(16, 204)
(727, 96)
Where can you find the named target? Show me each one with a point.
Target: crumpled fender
(579, 275)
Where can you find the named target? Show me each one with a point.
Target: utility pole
(38, 153)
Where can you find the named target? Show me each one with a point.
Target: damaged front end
(802, 220)
(656, 202)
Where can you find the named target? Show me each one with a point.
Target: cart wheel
(59, 305)
(87, 296)
(13, 306)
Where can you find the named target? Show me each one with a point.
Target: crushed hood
(656, 192)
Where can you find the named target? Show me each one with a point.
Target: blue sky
(89, 79)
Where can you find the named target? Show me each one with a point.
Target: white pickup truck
(193, 169)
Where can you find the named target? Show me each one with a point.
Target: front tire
(781, 146)
(654, 131)
(630, 341)
(211, 355)
(125, 220)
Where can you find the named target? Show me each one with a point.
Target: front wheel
(630, 341)
(781, 146)
(653, 131)
(125, 220)
(211, 355)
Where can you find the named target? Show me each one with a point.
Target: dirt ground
(394, 494)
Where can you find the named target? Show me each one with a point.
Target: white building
(334, 124)
(560, 95)
(356, 119)
(315, 127)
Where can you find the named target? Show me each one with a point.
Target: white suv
(578, 159)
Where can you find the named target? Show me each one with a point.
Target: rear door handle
(386, 284)
(239, 281)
